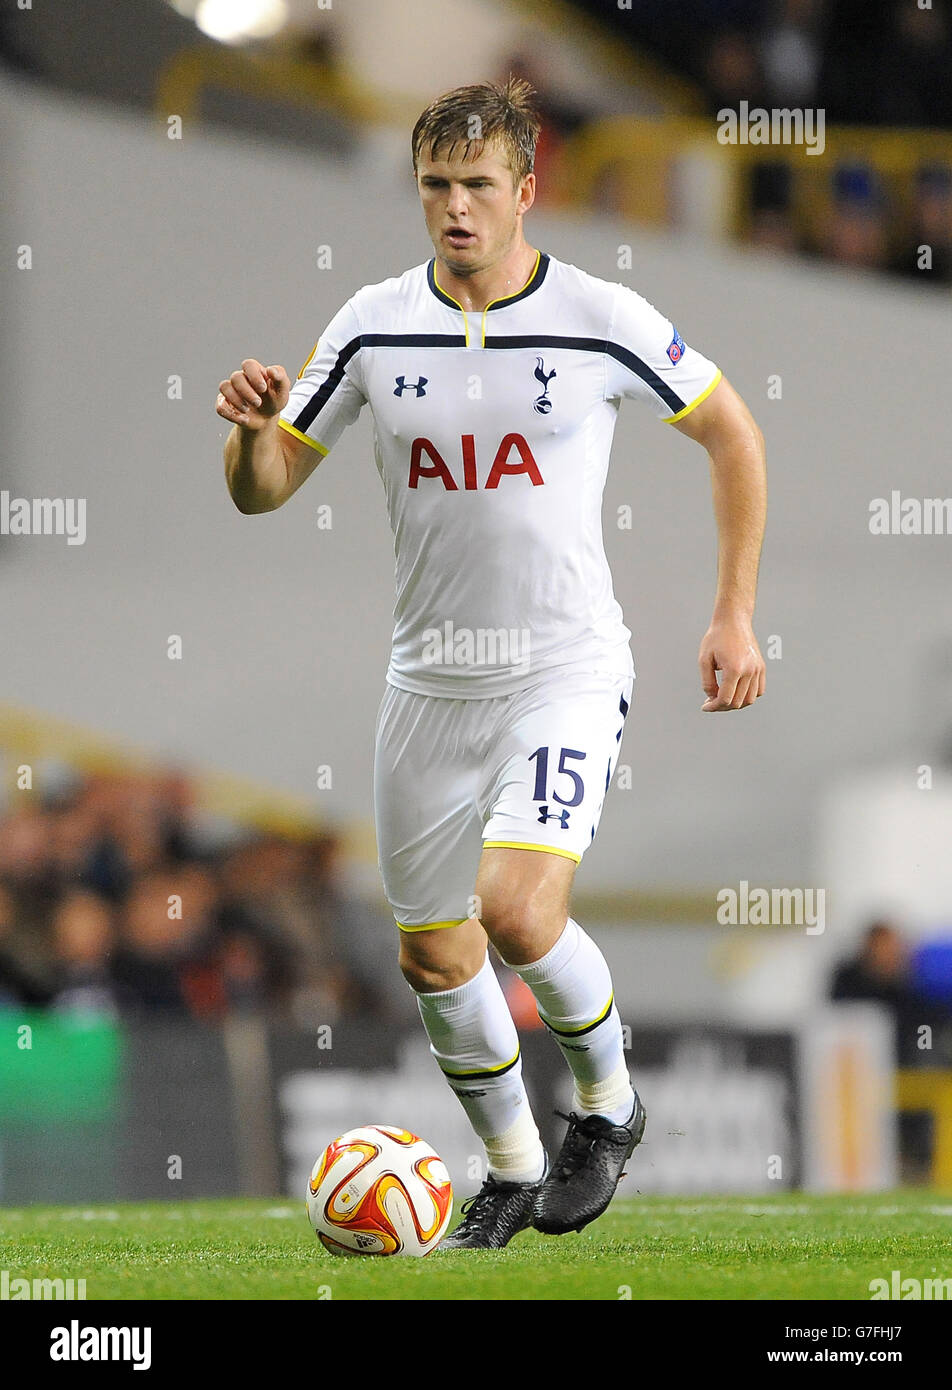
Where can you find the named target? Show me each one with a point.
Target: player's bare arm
(264, 464)
(724, 426)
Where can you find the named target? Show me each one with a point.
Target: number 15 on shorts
(572, 782)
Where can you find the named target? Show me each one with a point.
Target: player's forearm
(255, 468)
(739, 487)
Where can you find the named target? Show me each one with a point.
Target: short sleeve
(649, 360)
(328, 393)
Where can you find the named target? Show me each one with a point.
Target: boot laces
(479, 1209)
(577, 1146)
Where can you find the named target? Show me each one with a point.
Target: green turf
(658, 1248)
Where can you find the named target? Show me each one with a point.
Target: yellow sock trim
(484, 1071)
(585, 1028)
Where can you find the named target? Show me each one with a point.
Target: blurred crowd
(863, 65)
(112, 900)
(885, 63)
(866, 224)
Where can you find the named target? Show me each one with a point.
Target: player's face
(472, 207)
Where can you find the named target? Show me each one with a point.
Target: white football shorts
(526, 770)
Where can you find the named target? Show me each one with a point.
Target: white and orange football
(379, 1190)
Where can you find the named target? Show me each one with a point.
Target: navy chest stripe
(335, 376)
(615, 350)
(621, 354)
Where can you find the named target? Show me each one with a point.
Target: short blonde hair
(506, 114)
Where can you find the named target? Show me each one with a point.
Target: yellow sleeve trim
(702, 397)
(304, 438)
(520, 844)
(308, 362)
(431, 926)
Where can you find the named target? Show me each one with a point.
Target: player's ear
(527, 191)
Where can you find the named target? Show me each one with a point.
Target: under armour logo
(545, 814)
(403, 385)
(542, 405)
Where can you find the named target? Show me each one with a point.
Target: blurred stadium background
(196, 961)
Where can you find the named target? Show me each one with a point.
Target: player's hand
(729, 646)
(253, 395)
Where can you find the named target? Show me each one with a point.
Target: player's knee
(520, 928)
(427, 975)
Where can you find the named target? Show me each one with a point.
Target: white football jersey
(492, 437)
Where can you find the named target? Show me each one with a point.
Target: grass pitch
(787, 1247)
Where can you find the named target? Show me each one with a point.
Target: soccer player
(494, 373)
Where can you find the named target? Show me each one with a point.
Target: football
(379, 1190)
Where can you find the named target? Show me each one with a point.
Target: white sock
(474, 1040)
(517, 1155)
(573, 989)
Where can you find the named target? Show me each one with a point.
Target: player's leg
(553, 765)
(428, 835)
(524, 896)
(475, 1044)
(474, 1040)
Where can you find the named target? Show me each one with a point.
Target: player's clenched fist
(253, 395)
(729, 646)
